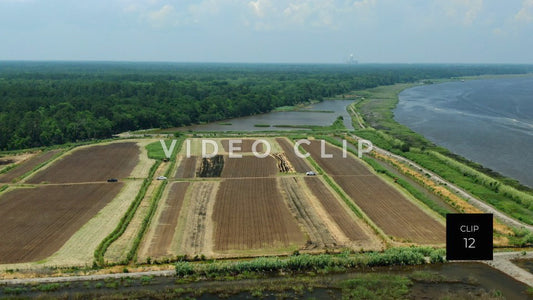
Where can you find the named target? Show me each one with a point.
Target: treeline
(46, 103)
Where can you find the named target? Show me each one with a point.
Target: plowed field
(27, 166)
(300, 164)
(92, 164)
(337, 212)
(249, 166)
(245, 145)
(251, 214)
(336, 165)
(166, 225)
(187, 167)
(36, 222)
(389, 209)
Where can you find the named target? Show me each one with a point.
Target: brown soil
(299, 164)
(6, 161)
(197, 238)
(27, 166)
(249, 166)
(92, 164)
(298, 202)
(246, 145)
(187, 167)
(251, 214)
(336, 165)
(166, 225)
(36, 222)
(391, 211)
(337, 212)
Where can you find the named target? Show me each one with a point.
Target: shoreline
(467, 153)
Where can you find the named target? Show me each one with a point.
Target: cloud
(526, 12)
(268, 15)
(163, 17)
(465, 11)
(260, 8)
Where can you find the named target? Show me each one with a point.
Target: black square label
(469, 236)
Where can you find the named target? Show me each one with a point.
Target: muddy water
(335, 108)
(526, 264)
(457, 280)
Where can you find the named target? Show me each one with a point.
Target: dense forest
(46, 103)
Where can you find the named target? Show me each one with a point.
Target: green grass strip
(323, 263)
(132, 254)
(125, 220)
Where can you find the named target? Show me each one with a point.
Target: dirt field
(92, 164)
(294, 193)
(385, 206)
(36, 222)
(27, 166)
(388, 209)
(250, 214)
(337, 165)
(338, 213)
(299, 164)
(196, 228)
(187, 167)
(246, 145)
(249, 166)
(160, 243)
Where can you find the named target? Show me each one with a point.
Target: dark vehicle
(112, 180)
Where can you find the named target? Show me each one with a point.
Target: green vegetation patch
(376, 286)
(156, 151)
(323, 263)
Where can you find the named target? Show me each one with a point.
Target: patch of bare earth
(36, 222)
(293, 190)
(299, 164)
(251, 214)
(92, 164)
(245, 145)
(249, 166)
(196, 226)
(345, 226)
(158, 243)
(186, 167)
(389, 209)
(28, 165)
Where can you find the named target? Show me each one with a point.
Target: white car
(161, 178)
(310, 173)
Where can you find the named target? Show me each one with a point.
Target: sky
(268, 31)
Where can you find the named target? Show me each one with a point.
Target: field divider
(154, 201)
(125, 220)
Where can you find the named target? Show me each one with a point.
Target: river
(489, 121)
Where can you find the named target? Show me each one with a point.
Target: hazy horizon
(266, 31)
